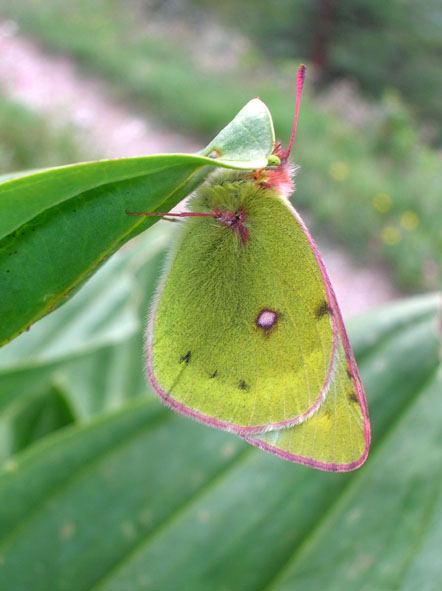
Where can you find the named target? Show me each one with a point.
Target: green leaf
(33, 417)
(88, 351)
(247, 136)
(144, 499)
(57, 226)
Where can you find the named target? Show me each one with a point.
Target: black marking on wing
(243, 385)
(323, 310)
(186, 358)
(214, 374)
(352, 397)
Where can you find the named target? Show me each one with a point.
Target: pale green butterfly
(245, 333)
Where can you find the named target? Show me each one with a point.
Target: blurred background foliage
(29, 141)
(369, 139)
(378, 44)
(87, 452)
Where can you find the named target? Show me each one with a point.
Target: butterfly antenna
(184, 214)
(299, 85)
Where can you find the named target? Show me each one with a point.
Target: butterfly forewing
(243, 335)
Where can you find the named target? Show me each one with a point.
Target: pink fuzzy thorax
(279, 178)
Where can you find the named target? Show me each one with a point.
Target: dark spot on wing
(214, 374)
(353, 397)
(186, 358)
(323, 309)
(243, 385)
(349, 373)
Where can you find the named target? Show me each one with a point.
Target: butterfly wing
(244, 335)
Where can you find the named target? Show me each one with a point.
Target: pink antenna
(299, 85)
(184, 214)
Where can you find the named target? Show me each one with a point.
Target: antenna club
(301, 74)
(299, 85)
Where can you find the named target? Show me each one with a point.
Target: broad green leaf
(57, 226)
(88, 351)
(144, 499)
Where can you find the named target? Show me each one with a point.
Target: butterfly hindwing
(337, 436)
(334, 438)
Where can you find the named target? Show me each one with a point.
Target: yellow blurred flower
(410, 220)
(382, 202)
(390, 235)
(338, 171)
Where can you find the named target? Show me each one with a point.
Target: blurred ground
(53, 85)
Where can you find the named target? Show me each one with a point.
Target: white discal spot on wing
(267, 319)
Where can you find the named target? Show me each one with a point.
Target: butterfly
(245, 332)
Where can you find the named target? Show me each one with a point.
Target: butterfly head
(279, 174)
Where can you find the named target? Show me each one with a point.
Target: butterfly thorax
(233, 195)
(280, 177)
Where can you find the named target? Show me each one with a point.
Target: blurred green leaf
(32, 417)
(30, 140)
(143, 499)
(58, 226)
